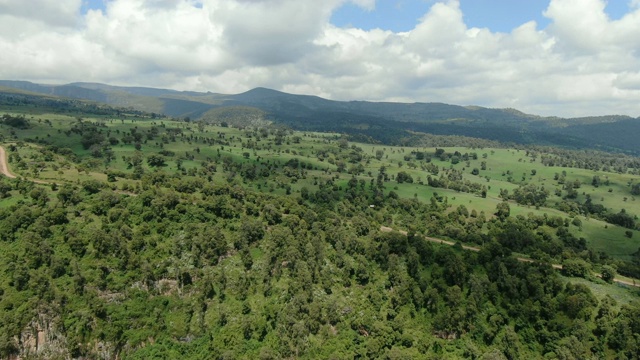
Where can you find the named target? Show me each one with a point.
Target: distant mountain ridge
(386, 122)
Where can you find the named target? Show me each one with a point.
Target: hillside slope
(384, 122)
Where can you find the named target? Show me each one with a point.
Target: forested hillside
(383, 122)
(131, 235)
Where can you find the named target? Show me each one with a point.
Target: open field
(190, 144)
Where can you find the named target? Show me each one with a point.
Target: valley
(136, 235)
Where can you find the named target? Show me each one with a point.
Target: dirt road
(431, 239)
(4, 165)
(472, 248)
(4, 169)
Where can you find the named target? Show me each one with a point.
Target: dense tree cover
(530, 195)
(226, 272)
(19, 122)
(587, 159)
(65, 105)
(210, 253)
(400, 125)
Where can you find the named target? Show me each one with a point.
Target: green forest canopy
(155, 238)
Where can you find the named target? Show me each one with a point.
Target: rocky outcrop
(41, 339)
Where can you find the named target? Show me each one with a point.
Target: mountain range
(386, 122)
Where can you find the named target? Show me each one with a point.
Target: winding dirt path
(4, 170)
(432, 239)
(4, 164)
(521, 259)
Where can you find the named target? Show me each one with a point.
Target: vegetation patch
(138, 236)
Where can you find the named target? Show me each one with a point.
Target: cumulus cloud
(269, 32)
(50, 12)
(583, 63)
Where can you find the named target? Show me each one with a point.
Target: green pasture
(623, 295)
(505, 168)
(610, 239)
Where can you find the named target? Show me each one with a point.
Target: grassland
(504, 169)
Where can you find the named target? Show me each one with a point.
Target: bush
(404, 177)
(576, 268)
(608, 273)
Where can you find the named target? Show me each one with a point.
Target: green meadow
(188, 145)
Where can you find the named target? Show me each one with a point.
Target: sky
(547, 57)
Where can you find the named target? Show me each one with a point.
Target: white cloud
(627, 81)
(269, 32)
(370, 5)
(583, 63)
(579, 24)
(51, 12)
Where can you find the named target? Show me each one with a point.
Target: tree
(4, 189)
(514, 234)
(623, 219)
(576, 267)
(361, 225)
(39, 196)
(21, 277)
(251, 231)
(90, 138)
(503, 211)
(608, 273)
(91, 186)
(636, 257)
(8, 345)
(271, 214)
(19, 122)
(530, 195)
(403, 177)
(156, 160)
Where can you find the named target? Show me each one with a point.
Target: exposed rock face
(104, 350)
(41, 340)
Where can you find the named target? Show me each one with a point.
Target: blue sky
(496, 15)
(403, 15)
(92, 4)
